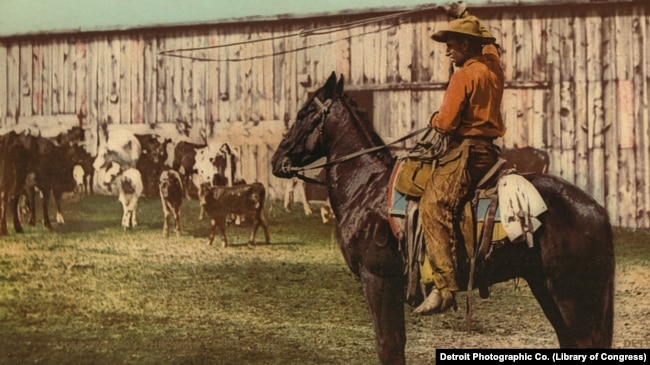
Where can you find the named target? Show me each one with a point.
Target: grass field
(91, 293)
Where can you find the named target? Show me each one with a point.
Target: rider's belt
(458, 140)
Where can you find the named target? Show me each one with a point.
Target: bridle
(323, 112)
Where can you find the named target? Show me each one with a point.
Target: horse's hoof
(484, 292)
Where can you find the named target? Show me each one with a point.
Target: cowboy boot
(438, 301)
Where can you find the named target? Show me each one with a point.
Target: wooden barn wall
(577, 84)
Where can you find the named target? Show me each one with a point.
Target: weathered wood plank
(70, 84)
(539, 43)
(114, 74)
(212, 78)
(92, 87)
(150, 75)
(357, 57)
(642, 149)
(13, 81)
(4, 84)
(104, 86)
(626, 162)
(370, 55)
(37, 79)
(568, 132)
(224, 80)
(199, 80)
(610, 113)
(174, 81)
(57, 78)
(81, 80)
(137, 80)
(126, 63)
(554, 98)
(292, 85)
(343, 54)
(163, 81)
(186, 96)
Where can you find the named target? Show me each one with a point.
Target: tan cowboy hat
(468, 26)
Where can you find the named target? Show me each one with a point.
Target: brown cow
(171, 196)
(221, 201)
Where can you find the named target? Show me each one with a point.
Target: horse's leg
(44, 203)
(384, 298)
(552, 312)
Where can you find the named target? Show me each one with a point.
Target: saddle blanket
(399, 202)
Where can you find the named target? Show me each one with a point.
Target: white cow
(296, 192)
(128, 184)
(121, 147)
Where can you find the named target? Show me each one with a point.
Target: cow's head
(109, 175)
(169, 182)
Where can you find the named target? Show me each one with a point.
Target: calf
(129, 187)
(29, 162)
(151, 162)
(220, 201)
(171, 196)
(184, 161)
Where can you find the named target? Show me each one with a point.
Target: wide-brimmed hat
(468, 26)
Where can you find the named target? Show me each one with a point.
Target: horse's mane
(362, 115)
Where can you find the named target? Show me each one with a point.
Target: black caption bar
(512, 356)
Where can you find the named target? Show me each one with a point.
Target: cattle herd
(129, 165)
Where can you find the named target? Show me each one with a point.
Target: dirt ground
(93, 294)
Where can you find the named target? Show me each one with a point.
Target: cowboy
(470, 115)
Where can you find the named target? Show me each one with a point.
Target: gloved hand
(455, 10)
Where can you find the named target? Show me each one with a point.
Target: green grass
(632, 247)
(91, 293)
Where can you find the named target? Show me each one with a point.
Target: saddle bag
(412, 176)
(416, 168)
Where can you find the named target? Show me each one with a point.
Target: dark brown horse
(570, 269)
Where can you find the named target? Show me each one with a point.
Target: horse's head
(303, 143)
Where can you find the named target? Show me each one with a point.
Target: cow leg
(134, 209)
(14, 208)
(177, 221)
(213, 231)
(3, 214)
(44, 204)
(300, 193)
(222, 228)
(91, 181)
(265, 227)
(288, 193)
(384, 298)
(30, 199)
(57, 203)
(125, 211)
(166, 215)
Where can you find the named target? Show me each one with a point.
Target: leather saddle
(503, 210)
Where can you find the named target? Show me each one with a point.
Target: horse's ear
(339, 86)
(331, 81)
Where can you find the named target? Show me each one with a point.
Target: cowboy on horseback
(470, 115)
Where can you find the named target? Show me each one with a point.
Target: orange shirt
(472, 102)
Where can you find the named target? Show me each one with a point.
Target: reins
(324, 111)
